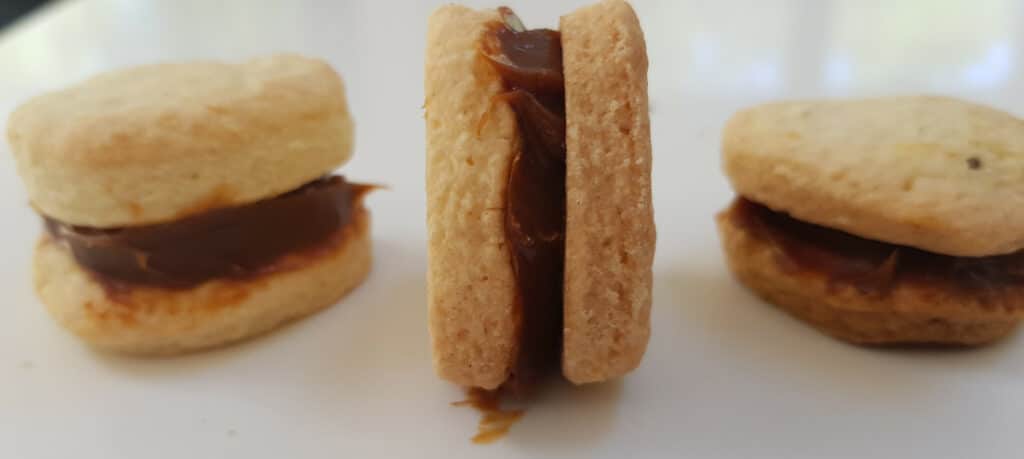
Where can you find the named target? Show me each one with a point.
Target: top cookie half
(935, 173)
(156, 143)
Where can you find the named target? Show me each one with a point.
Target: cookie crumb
(974, 163)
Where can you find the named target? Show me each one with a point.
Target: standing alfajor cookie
(881, 221)
(189, 205)
(541, 232)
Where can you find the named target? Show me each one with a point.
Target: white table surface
(725, 376)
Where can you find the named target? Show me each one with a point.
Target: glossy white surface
(725, 376)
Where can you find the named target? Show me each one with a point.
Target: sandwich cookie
(190, 205)
(540, 227)
(883, 221)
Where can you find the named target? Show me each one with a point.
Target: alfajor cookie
(540, 227)
(189, 205)
(880, 221)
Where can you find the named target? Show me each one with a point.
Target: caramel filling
(230, 243)
(872, 266)
(530, 65)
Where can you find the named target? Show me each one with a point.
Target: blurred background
(10, 10)
(737, 45)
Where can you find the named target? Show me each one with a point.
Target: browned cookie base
(907, 314)
(142, 320)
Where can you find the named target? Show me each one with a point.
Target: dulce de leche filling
(530, 65)
(229, 243)
(872, 266)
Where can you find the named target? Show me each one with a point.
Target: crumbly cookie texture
(935, 173)
(156, 321)
(470, 143)
(156, 143)
(610, 234)
(908, 314)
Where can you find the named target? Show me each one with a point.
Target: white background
(725, 375)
